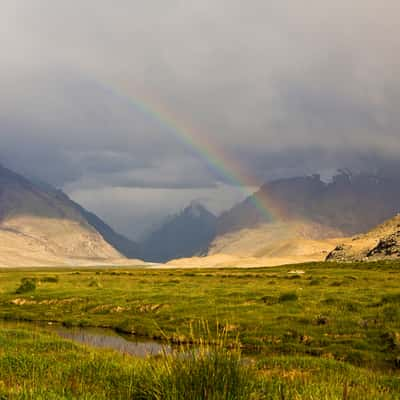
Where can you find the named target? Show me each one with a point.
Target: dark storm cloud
(282, 87)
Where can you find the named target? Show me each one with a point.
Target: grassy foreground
(315, 331)
(38, 365)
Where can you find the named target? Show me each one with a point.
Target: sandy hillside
(290, 238)
(267, 245)
(43, 228)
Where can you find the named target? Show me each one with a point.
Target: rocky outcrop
(387, 247)
(381, 243)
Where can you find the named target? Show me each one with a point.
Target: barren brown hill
(39, 227)
(381, 243)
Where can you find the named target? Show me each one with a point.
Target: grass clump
(294, 276)
(50, 279)
(95, 283)
(288, 296)
(321, 320)
(393, 298)
(270, 300)
(27, 285)
(209, 370)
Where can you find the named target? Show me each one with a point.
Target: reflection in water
(105, 338)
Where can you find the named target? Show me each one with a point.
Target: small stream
(101, 338)
(108, 339)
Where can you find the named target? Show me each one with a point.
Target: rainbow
(212, 154)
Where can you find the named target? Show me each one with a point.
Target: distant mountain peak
(197, 210)
(182, 235)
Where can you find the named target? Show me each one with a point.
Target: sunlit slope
(269, 244)
(287, 238)
(39, 227)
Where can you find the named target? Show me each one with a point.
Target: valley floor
(311, 331)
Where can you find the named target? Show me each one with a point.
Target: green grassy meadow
(332, 332)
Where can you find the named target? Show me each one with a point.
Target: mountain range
(287, 220)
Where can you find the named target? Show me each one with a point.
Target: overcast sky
(284, 88)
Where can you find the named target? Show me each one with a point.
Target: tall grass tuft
(211, 370)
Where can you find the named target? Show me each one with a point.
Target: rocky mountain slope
(349, 203)
(42, 226)
(124, 245)
(381, 243)
(182, 235)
